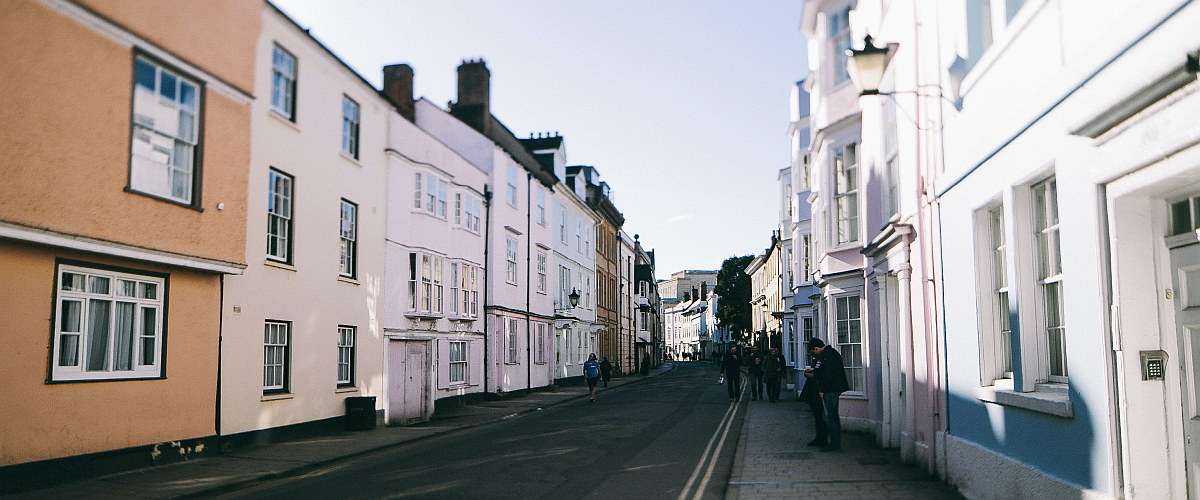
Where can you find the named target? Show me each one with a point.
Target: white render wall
(573, 338)
(451, 238)
(308, 292)
(506, 301)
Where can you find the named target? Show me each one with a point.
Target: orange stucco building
(124, 153)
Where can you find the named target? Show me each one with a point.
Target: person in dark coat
(731, 368)
(811, 394)
(755, 368)
(830, 374)
(646, 364)
(605, 370)
(773, 366)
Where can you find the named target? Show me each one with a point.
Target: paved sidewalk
(772, 461)
(212, 476)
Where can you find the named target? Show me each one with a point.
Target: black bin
(360, 413)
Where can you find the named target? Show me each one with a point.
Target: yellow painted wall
(217, 35)
(40, 421)
(66, 95)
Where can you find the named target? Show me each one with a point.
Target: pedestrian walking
(830, 374)
(646, 364)
(605, 370)
(773, 366)
(731, 368)
(755, 369)
(591, 372)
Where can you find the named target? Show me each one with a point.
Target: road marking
(723, 431)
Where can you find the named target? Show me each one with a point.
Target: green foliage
(733, 288)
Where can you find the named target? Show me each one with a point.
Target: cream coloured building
(301, 328)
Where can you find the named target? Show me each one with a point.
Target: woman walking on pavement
(591, 371)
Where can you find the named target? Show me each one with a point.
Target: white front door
(1185, 264)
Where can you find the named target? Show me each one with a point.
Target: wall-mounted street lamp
(866, 67)
(574, 297)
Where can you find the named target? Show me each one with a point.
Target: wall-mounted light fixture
(866, 67)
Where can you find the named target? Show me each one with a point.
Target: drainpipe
(487, 244)
(528, 282)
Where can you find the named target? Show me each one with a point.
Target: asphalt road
(672, 437)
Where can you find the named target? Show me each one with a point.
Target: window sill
(276, 396)
(462, 319)
(346, 279)
(193, 205)
(284, 119)
(279, 265)
(345, 390)
(422, 315)
(1051, 399)
(351, 159)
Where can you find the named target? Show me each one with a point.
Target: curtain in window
(99, 312)
(123, 336)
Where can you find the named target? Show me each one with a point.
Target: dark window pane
(167, 88)
(144, 74)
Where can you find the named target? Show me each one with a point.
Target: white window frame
(564, 287)
(843, 331)
(845, 195)
(417, 200)
(283, 82)
(891, 161)
(458, 209)
(995, 22)
(1051, 323)
(85, 349)
(414, 293)
(993, 293)
(541, 206)
(281, 203)
(806, 258)
(540, 351)
(346, 355)
(510, 254)
(455, 283)
(541, 273)
(277, 338)
(351, 116)
(562, 225)
(838, 32)
(511, 178)
(165, 132)
(349, 239)
(1034, 325)
(513, 353)
(438, 286)
(457, 360)
(579, 236)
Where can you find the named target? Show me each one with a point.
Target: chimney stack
(703, 290)
(474, 96)
(398, 86)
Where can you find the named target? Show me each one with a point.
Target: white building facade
(435, 265)
(301, 330)
(518, 314)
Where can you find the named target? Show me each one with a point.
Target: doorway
(408, 382)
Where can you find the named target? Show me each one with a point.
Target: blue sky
(681, 106)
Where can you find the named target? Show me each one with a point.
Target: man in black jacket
(830, 374)
(731, 367)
